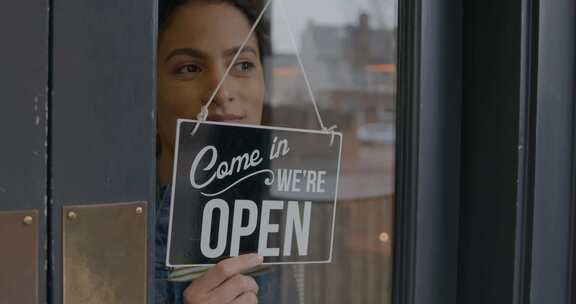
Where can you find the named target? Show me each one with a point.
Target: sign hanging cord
(203, 115)
(306, 79)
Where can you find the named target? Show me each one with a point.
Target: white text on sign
(291, 180)
(297, 225)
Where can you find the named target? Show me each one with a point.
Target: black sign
(250, 189)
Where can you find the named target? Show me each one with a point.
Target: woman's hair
(166, 9)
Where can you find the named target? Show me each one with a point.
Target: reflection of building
(346, 57)
(352, 69)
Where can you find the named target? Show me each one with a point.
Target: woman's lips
(225, 117)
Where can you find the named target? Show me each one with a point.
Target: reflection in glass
(348, 52)
(348, 49)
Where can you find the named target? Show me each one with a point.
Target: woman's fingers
(234, 288)
(224, 283)
(246, 298)
(226, 269)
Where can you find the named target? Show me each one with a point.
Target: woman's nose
(223, 96)
(221, 90)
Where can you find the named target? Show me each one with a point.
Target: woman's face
(194, 51)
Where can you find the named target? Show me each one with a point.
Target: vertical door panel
(554, 152)
(102, 128)
(23, 97)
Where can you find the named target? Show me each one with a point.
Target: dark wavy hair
(166, 9)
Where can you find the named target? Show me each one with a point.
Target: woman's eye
(188, 69)
(245, 66)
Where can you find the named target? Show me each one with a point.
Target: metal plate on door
(104, 253)
(19, 257)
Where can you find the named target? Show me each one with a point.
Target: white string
(203, 115)
(306, 79)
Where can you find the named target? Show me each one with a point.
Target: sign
(240, 189)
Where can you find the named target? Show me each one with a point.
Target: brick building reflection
(352, 70)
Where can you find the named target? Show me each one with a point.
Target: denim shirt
(166, 292)
(171, 292)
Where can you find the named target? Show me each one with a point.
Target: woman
(197, 42)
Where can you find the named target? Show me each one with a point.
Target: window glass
(348, 50)
(314, 65)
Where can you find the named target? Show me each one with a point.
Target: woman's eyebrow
(195, 53)
(231, 52)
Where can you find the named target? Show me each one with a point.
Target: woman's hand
(224, 283)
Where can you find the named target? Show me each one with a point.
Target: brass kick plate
(104, 253)
(19, 257)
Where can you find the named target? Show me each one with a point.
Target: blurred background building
(352, 70)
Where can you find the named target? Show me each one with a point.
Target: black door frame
(485, 210)
(428, 151)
